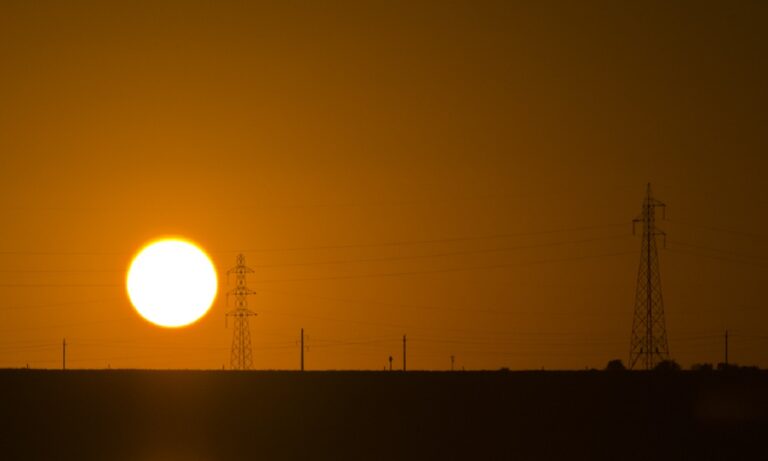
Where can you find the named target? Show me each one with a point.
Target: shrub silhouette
(702, 367)
(667, 366)
(615, 365)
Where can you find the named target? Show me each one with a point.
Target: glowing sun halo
(171, 283)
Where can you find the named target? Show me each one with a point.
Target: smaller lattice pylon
(241, 357)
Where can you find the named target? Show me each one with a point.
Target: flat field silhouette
(225, 415)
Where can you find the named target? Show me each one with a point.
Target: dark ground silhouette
(217, 415)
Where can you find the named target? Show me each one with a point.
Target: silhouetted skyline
(465, 174)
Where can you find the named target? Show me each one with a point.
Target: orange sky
(463, 174)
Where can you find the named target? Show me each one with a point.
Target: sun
(171, 282)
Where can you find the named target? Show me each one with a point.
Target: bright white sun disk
(172, 283)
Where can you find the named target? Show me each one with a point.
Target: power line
(64, 325)
(59, 285)
(448, 270)
(48, 306)
(472, 310)
(719, 229)
(63, 253)
(60, 271)
(717, 250)
(355, 260)
(301, 206)
(334, 246)
(444, 254)
(430, 241)
(414, 327)
(356, 343)
(719, 258)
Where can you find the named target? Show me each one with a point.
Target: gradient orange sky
(465, 173)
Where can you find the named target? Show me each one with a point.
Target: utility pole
(726, 347)
(648, 344)
(404, 351)
(452, 360)
(241, 356)
(64, 354)
(302, 349)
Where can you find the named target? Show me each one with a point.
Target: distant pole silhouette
(390, 363)
(404, 351)
(726, 347)
(452, 359)
(241, 356)
(302, 349)
(649, 344)
(64, 354)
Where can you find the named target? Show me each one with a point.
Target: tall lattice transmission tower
(241, 357)
(649, 332)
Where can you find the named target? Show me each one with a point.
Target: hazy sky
(462, 172)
